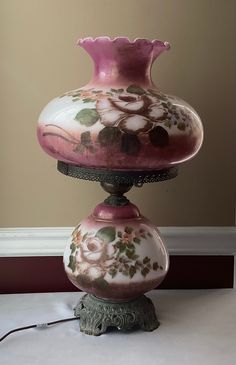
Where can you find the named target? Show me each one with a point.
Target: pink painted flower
(127, 237)
(132, 114)
(93, 250)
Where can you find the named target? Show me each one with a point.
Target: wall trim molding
(51, 241)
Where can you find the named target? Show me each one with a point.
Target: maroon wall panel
(199, 272)
(46, 274)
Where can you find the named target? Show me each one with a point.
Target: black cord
(39, 325)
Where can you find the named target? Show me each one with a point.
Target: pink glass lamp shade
(120, 120)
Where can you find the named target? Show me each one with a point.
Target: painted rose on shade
(125, 112)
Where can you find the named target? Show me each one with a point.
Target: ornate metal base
(97, 315)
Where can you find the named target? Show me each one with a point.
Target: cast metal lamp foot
(98, 315)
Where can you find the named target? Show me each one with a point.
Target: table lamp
(122, 131)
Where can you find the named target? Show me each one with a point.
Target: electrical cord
(39, 325)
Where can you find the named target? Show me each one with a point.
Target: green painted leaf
(130, 254)
(132, 271)
(153, 92)
(83, 280)
(108, 136)
(181, 126)
(91, 149)
(130, 246)
(120, 90)
(85, 138)
(79, 148)
(87, 142)
(130, 144)
(121, 246)
(167, 123)
(87, 117)
(121, 259)
(125, 272)
(73, 247)
(108, 234)
(88, 100)
(101, 283)
(76, 96)
(145, 271)
(159, 137)
(112, 272)
(135, 257)
(84, 236)
(76, 99)
(128, 229)
(146, 260)
(96, 91)
(119, 234)
(137, 240)
(159, 95)
(72, 263)
(76, 230)
(155, 266)
(134, 89)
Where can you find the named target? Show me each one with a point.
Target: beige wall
(39, 61)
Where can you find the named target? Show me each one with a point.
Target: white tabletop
(198, 327)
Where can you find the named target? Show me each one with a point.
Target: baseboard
(51, 241)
